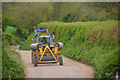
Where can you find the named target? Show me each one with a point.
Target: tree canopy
(24, 15)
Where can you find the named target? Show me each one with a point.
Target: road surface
(70, 68)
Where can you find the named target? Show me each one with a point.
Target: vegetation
(95, 42)
(11, 36)
(11, 60)
(26, 44)
(0, 41)
(0, 54)
(24, 16)
(88, 31)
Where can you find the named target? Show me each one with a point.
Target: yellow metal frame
(43, 34)
(42, 53)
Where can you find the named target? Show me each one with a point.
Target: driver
(44, 40)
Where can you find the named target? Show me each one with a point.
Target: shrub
(10, 30)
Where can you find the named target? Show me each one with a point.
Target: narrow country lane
(70, 68)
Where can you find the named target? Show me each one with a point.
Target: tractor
(44, 50)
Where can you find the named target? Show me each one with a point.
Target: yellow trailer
(51, 56)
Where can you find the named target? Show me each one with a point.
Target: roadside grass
(12, 64)
(95, 42)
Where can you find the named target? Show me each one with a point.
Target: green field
(94, 42)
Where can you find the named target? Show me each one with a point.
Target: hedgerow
(11, 60)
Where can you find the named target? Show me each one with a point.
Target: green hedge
(11, 60)
(94, 42)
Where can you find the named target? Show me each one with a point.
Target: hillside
(94, 42)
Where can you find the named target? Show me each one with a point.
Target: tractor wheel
(32, 56)
(35, 61)
(60, 60)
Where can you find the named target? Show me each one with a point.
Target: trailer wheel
(54, 62)
(35, 61)
(60, 60)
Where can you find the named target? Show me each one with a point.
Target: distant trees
(24, 15)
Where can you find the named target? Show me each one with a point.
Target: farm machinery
(44, 50)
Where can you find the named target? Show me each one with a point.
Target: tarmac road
(70, 68)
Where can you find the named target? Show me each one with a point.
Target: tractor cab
(44, 39)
